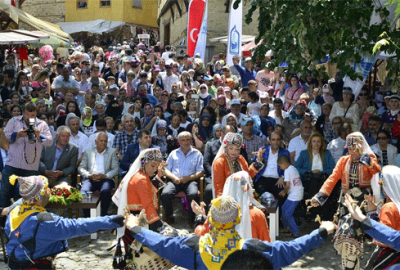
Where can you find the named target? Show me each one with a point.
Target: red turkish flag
(195, 18)
(13, 3)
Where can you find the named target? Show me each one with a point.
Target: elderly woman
(253, 223)
(292, 94)
(297, 114)
(346, 109)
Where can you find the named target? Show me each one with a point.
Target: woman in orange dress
(229, 161)
(358, 172)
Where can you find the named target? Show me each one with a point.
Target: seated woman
(137, 192)
(197, 141)
(314, 165)
(253, 223)
(384, 149)
(160, 139)
(229, 161)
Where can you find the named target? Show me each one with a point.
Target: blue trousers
(105, 186)
(8, 191)
(287, 215)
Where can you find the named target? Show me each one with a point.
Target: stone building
(48, 10)
(173, 19)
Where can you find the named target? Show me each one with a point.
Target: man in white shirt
(299, 143)
(336, 146)
(235, 109)
(278, 113)
(101, 125)
(98, 168)
(77, 137)
(66, 83)
(165, 54)
(168, 78)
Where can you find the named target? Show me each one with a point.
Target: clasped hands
(97, 177)
(53, 175)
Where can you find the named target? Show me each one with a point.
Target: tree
(302, 33)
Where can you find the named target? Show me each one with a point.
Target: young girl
(22, 85)
(15, 98)
(253, 107)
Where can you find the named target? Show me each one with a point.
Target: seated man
(101, 125)
(133, 150)
(59, 160)
(185, 166)
(127, 136)
(270, 177)
(210, 152)
(98, 168)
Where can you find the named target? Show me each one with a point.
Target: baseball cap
(235, 102)
(247, 59)
(395, 97)
(246, 120)
(156, 68)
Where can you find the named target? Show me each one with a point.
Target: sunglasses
(382, 138)
(336, 123)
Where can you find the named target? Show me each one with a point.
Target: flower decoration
(65, 194)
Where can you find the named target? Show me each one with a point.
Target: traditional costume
(253, 223)
(36, 236)
(357, 176)
(389, 216)
(224, 166)
(211, 250)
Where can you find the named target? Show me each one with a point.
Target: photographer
(26, 135)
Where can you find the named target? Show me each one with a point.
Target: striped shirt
(18, 148)
(182, 165)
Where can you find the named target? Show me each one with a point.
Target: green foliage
(303, 32)
(65, 196)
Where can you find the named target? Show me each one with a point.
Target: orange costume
(143, 195)
(342, 171)
(389, 216)
(222, 170)
(259, 226)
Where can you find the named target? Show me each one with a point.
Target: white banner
(234, 33)
(202, 37)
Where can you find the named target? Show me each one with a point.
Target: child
(253, 107)
(295, 189)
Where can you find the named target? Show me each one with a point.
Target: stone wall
(218, 21)
(48, 10)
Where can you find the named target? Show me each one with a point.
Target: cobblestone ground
(85, 253)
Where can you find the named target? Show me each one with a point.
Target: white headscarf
(391, 183)
(375, 178)
(238, 186)
(120, 197)
(226, 140)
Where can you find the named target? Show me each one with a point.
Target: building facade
(48, 10)
(173, 20)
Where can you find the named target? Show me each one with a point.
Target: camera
(30, 131)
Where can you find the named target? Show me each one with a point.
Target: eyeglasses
(382, 138)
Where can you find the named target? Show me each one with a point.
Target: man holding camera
(26, 135)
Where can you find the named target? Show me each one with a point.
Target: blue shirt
(57, 157)
(245, 74)
(182, 165)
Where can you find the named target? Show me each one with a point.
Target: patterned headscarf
(233, 138)
(153, 155)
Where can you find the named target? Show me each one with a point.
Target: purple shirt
(16, 157)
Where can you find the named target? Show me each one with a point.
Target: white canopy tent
(94, 27)
(21, 37)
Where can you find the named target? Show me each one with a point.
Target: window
(81, 4)
(137, 3)
(105, 3)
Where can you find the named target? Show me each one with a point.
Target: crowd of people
(166, 123)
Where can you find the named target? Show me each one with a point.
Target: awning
(15, 37)
(224, 39)
(248, 47)
(18, 15)
(96, 26)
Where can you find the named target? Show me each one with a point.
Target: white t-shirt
(296, 190)
(264, 80)
(272, 166)
(317, 163)
(297, 144)
(254, 108)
